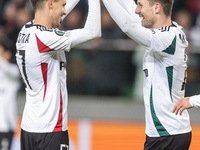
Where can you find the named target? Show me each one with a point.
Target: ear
(158, 8)
(50, 4)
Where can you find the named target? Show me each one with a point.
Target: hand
(181, 105)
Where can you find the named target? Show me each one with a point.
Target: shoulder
(51, 32)
(53, 38)
(173, 29)
(162, 38)
(164, 35)
(164, 32)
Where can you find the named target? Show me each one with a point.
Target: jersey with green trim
(164, 66)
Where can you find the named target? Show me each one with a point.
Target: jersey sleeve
(130, 6)
(121, 14)
(92, 28)
(167, 39)
(195, 101)
(54, 40)
(163, 41)
(69, 6)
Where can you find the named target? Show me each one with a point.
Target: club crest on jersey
(146, 72)
(60, 33)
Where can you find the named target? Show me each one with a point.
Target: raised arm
(69, 6)
(130, 6)
(92, 28)
(127, 20)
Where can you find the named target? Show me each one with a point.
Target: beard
(148, 23)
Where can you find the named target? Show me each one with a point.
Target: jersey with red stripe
(42, 64)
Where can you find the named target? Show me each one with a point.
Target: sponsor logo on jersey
(63, 65)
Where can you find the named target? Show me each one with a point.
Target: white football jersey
(164, 66)
(42, 63)
(9, 85)
(195, 101)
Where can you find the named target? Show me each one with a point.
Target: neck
(162, 22)
(43, 18)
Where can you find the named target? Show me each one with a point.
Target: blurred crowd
(92, 71)
(13, 15)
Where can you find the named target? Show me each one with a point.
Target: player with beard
(164, 66)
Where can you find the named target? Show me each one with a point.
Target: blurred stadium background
(105, 78)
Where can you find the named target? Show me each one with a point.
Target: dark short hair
(37, 4)
(166, 4)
